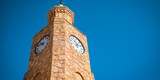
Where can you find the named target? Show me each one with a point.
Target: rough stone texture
(59, 60)
(76, 62)
(40, 63)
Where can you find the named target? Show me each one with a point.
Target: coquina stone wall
(59, 60)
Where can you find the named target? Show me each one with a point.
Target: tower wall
(59, 60)
(40, 64)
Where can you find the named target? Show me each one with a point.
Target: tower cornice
(61, 12)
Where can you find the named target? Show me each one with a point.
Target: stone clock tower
(59, 51)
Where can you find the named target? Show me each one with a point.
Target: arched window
(79, 76)
(24, 79)
(38, 76)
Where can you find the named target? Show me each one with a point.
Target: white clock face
(41, 45)
(77, 45)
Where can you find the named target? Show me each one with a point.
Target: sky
(123, 36)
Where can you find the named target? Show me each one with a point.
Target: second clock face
(77, 45)
(42, 43)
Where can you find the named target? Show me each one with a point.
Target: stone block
(54, 69)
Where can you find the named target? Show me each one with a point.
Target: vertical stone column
(58, 53)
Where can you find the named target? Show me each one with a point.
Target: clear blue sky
(123, 36)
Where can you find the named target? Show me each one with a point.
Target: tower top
(60, 3)
(61, 12)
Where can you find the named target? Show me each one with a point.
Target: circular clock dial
(41, 45)
(77, 45)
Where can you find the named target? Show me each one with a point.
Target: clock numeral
(71, 38)
(81, 51)
(46, 37)
(37, 51)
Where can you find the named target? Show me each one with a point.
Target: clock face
(77, 45)
(42, 43)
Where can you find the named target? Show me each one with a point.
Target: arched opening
(38, 76)
(24, 79)
(79, 76)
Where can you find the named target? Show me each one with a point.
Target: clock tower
(59, 51)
